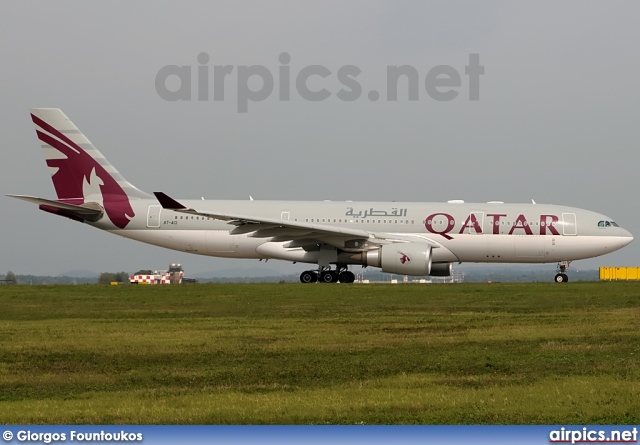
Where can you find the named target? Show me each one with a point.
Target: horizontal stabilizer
(91, 211)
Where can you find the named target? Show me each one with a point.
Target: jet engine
(400, 258)
(441, 269)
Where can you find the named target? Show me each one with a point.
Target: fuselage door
(569, 226)
(474, 224)
(153, 216)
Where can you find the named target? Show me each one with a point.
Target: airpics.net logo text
(256, 83)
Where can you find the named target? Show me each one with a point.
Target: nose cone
(616, 240)
(622, 238)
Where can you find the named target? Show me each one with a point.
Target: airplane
(406, 238)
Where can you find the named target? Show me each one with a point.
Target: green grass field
(321, 354)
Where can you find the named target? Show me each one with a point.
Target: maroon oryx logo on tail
(404, 258)
(80, 170)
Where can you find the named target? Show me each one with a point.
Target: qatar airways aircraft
(407, 238)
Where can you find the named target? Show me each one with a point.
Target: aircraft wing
(298, 233)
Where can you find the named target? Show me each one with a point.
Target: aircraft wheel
(308, 276)
(347, 277)
(561, 278)
(329, 276)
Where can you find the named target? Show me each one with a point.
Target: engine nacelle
(401, 258)
(441, 269)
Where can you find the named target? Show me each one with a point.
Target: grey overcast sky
(556, 119)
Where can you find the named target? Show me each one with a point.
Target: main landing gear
(561, 276)
(326, 275)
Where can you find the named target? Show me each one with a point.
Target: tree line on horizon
(103, 278)
(10, 278)
(470, 276)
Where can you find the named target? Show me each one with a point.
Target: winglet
(167, 202)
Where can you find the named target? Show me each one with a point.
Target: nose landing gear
(561, 276)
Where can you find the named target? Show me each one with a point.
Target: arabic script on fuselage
(374, 213)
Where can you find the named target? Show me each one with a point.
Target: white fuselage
(460, 232)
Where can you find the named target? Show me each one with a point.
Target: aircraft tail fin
(80, 173)
(74, 161)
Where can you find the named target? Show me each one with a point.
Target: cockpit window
(607, 224)
(614, 224)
